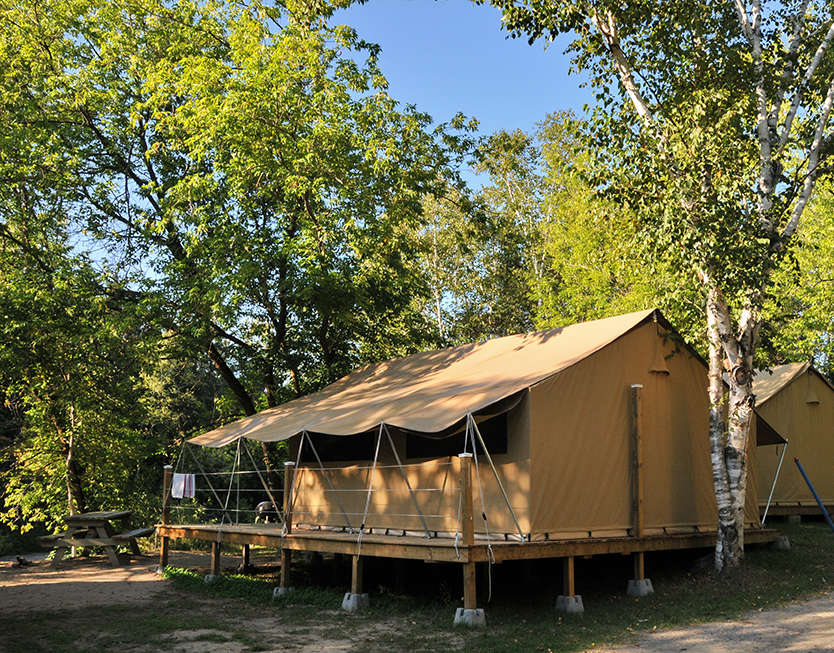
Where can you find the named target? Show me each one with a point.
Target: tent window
(339, 448)
(493, 431)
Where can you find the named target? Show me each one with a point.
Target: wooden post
(470, 601)
(289, 474)
(337, 563)
(215, 558)
(639, 566)
(400, 584)
(637, 458)
(640, 586)
(286, 561)
(286, 554)
(568, 577)
(167, 479)
(356, 575)
(467, 528)
(467, 525)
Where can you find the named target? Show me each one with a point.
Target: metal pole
(775, 478)
(327, 478)
(814, 492)
(278, 509)
(407, 483)
(477, 432)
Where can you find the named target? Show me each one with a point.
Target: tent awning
(766, 434)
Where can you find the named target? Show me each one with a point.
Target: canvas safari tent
(798, 402)
(555, 406)
(586, 439)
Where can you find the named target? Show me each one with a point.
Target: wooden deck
(788, 508)
(467, 551)
(443, 549)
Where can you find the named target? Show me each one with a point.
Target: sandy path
(83, 582)
(806, 626)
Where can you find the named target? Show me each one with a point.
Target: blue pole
(814, 492)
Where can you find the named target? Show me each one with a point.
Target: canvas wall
(809, 429)
(581, 448)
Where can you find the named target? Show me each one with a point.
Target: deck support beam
(639, 565)
(569, 601)
(285, 586)
(215, 558)
(640, 586)
(469, 614)
(214, 572)
(356, 600)
(356, 569)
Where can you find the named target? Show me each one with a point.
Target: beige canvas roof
(431, 391)
(799, 402)
(767, 383)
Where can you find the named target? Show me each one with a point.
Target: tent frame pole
(370, 491)
(264, 483)
(495, 473)
(408, 484)
(329, 484)
(775, 478)
(208, 481)
(290, 497)
(215, 564)
(637, 459)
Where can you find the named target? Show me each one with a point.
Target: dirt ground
(85, 581)
(806, 627)
(81, 585)
(91, 582)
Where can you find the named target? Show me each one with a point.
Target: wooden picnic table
(90, 529)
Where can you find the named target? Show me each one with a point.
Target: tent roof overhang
(431, 393)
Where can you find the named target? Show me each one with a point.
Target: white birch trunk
(730, 352)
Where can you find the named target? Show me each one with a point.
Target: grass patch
(161, 628)
(254, 590)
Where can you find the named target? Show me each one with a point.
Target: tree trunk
(231, 380)
(731, 415)
(76, 503)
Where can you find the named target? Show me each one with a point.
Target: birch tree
(713, 125)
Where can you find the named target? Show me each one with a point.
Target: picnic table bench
(95, 529)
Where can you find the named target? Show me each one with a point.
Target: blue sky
(446, 56)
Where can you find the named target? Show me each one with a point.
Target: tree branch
(787, 73)
(803, 85)
(813, 162)
(231, 380)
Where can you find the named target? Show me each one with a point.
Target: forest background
(210, 208)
